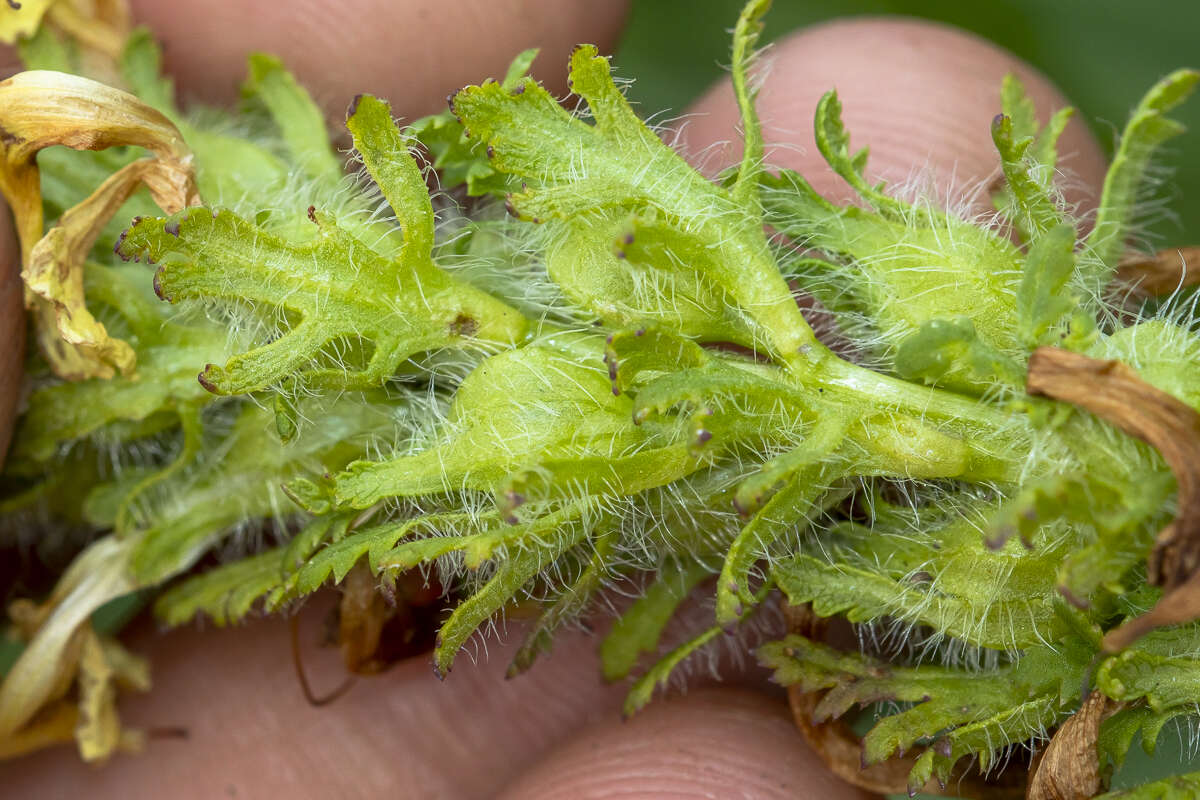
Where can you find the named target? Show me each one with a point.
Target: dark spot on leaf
(519, 89)
(7, 136)
(172, 228)
(312, 213)
(464, 326)
(353, 108)
(1073, 599)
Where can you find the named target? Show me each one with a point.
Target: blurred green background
(1104, 54)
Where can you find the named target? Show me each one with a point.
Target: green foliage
(638, 630)
(460, 160)
(618, 385)
(1146, 130)
(1042, 298)
(951, 352)
(575, 172)
(1028, 159)
(63, 413)
(1177, 787)
(892, 267)
(945, 576)
(951, 712)
(360, 314)
(297, 117)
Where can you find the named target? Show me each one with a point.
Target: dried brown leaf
(1114, 392)
(1161, 273)
(362, 614)
(1069, 768)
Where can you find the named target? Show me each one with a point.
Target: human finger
(248, 731)
(712, 743)
(921, 95)
(412, 52)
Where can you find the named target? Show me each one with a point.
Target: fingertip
(713, 743)
(412, 52)
(251, 733)
(921, 95)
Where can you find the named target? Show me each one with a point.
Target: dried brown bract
(1114, 392)
(1069, 767)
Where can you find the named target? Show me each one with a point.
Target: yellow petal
(101, 26)
(48, 665)
(103, 665)
(55, 725)
(54, 270)
(129, 671)
(22, 20)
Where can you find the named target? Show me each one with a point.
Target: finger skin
(12, 330)
(715, 743)
(920, 94)
(411, 52)
(399, 734)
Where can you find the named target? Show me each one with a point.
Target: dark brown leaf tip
(205, 378)
(158, 289)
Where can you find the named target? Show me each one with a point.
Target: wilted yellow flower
(39, 109)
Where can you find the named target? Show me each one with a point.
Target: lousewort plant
(580, 361)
